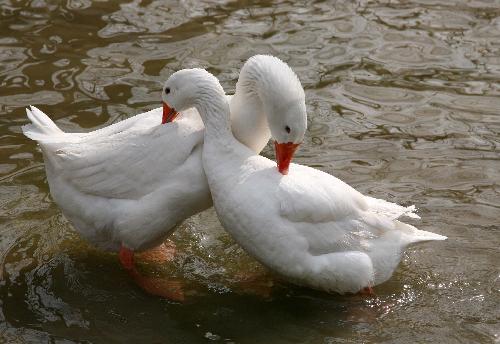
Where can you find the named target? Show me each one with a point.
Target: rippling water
(403, 102)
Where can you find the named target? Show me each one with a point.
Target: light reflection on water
(403, 104)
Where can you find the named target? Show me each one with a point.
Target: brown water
(403, 102)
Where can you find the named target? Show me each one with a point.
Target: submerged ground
(403, 103)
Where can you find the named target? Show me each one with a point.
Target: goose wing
(126, 162)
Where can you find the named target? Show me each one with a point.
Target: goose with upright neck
(307, 226)
(127, 186)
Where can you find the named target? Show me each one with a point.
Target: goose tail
(414, 235)
(41, 128)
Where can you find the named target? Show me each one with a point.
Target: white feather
(308, 226)
(134, 181)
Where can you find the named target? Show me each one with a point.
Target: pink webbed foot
(169, 289)
(161, 254)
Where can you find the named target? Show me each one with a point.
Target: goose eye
(167, 90)
(287, 128)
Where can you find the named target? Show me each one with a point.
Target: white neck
(214, 111)
(248, 120)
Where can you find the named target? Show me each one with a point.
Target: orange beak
(169, 114)
(284, 155)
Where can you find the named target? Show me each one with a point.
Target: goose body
(308, 226)
(131, 183)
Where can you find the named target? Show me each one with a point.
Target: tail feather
(391, 210)
(414, 235)
(42, 128)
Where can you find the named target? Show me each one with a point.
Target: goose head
(288, 123)
(189, 88)
(169, 114)
(282, 99)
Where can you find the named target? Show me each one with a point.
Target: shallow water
(403, 104)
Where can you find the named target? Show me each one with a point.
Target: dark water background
(403, 101)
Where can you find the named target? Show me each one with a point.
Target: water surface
(403, 102)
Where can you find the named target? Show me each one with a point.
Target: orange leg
(367, 291)
(127, 258)
(171, 290)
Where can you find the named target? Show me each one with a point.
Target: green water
(403, 104)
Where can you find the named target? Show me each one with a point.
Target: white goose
(129, 184)
(307, 226)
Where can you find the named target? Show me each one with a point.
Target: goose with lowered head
(308, 226)
(127, 186)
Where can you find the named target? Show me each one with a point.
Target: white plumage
(129, 183)
(133, 182)
(308, 226)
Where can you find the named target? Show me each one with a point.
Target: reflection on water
(403, 104)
